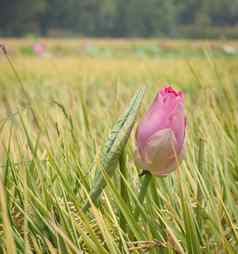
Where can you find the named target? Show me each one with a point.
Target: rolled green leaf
(114, 145)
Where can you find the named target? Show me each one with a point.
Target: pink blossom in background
(39, 49)
(161, 132)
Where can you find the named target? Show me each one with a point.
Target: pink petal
(160, 152)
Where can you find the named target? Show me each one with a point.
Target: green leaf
(114, 145)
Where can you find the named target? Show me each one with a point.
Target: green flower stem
(144, 187)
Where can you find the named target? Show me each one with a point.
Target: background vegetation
(54, 122)
(120, 18)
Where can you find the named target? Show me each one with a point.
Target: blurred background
(120, 18)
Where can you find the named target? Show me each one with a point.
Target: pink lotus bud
(38, 48)
(160, 134)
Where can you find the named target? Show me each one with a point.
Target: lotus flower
(39, 49)
(161, 132)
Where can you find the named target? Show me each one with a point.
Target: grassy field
(57, 112)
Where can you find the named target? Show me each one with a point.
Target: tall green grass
(51, 143)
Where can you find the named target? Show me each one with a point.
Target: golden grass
(50, 140)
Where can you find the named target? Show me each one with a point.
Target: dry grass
(51, 138)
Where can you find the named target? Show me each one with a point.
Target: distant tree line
(115, 18)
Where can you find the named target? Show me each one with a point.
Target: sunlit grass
(51, 142)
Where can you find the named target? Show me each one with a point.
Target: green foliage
(119, 18)
(114, 145)
(18, 17)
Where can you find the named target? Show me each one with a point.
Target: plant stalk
(144, 187)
